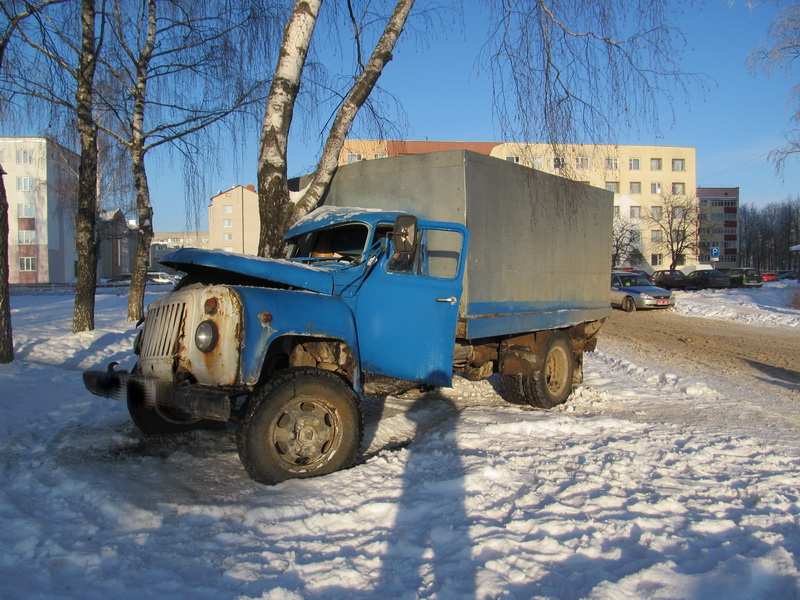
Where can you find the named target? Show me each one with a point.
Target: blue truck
(412, 268)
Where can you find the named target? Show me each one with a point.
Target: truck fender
(276, 321)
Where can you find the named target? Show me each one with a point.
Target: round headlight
(206, 336)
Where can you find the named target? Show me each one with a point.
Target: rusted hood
(232, 269)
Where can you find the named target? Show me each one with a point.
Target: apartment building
(168, 241)
(41, 183)
(233, 220)
(718, 228)
(639, 176)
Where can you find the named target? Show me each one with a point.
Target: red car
(769, 276)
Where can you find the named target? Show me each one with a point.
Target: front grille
(161, 330)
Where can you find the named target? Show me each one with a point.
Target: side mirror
(405, 234)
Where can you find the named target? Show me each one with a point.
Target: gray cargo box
(540, 245)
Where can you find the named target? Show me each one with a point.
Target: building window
(380, 155)
(612, 186)
(636, 212)
(558, 162)
(227, 223)
(228, 248)
(679, 189)
(24, 184)
(655, 188)
(633, 164)
(24, 157)
(612, 164)
(678, 164)
(656, 260)
(582, 162)
(636, 187)
(678, 213)
(354, 157)
(655, 164)
(538, 162)
(27, 263)
(227, 208)
(227, 236)
(514, 159)
(26, 237)
(26, 211)
(616, 212)
(657, 212)
(655, 235)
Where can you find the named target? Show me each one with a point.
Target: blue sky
(734, 124)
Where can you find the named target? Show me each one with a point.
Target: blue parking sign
(715, 252)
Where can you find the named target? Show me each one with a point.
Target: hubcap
(306, 433)
(555, 372)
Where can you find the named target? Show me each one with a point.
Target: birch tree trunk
(6, 341)
(85, 239)
(144, 208)
(275, 210)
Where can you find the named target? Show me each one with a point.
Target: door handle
(451, 300)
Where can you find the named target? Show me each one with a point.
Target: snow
(647, 484)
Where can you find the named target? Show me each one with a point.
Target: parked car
(161, 277)
(745, 277)
(631, 291)
(669, 279)
(784, 275)
(769, 276)
(644, 274)
(707, 278)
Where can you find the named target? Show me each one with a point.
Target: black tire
(553, 385)
(305, 422)
(153, 421)
(628, 304)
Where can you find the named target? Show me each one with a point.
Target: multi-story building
(233, 220)
(41, 183)
(718, 230)
(641, 177)
(167, 242)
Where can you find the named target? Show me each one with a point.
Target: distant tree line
(766, 233)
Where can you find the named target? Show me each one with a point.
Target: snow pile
(767, 305)
(647, 483)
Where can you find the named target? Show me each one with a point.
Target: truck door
(407, 313)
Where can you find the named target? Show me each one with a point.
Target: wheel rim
(556, 370)
(306, 433)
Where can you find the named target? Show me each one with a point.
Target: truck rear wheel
(553, 384)
(305, 422)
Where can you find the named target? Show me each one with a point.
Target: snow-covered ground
(614, 495)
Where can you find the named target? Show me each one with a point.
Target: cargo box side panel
(430, 186)
(540, 249)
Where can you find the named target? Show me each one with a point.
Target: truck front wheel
(553, 384)
(305, 422)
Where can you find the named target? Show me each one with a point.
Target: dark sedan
(707, 278)
(669, 279)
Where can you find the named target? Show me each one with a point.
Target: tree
(566, 73)
(674, 224)
(58, 68)
(277, 213)
(626, 243)
(158, 53)
(781, 51)
(14, 14)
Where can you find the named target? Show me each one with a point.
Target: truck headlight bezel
(206, 336)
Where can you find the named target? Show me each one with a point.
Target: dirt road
(746, 355)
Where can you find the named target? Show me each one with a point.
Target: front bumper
(195, 400)
(656, 303)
